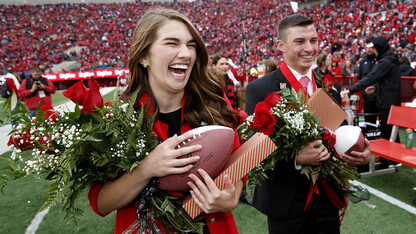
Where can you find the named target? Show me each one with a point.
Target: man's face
(370, 49)
(36, 75)
(300, 47)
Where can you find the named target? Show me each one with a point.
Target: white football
(217, 143)
(349, 138)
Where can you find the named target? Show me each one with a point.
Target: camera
(38, 82)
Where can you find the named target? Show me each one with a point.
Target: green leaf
(13, 100)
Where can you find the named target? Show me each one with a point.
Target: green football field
(389, 209)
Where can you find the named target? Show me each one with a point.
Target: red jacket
(93, 84)
(31, 102)
(219, 223)
(12, 86)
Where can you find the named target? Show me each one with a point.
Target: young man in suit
(282, 197)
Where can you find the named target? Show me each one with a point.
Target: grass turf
(25, 197)
(16, 211)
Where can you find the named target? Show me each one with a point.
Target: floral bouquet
(93, 144)
(290, 125)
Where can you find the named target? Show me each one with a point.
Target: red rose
(76, 92)
(49, 112)
(272, 99)
(92, 99)
(328, 80)
(264, 121)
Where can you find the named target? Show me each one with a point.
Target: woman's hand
(358, 158)
(315, 153)
(209, 198)
(163, 160)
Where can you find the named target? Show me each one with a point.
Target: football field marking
(34, 225)
(386, 197)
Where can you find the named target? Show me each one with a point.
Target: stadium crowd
(243, 30)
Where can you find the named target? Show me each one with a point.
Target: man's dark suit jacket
(275, 196)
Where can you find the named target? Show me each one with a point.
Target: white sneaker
(395, 165)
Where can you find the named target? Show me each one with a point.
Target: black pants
(370, 107)
(319, 217)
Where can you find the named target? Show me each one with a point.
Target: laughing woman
(168, 64)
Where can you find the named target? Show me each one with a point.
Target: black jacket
(386, 77)
(407, 70)
(276, 195)
(367, 64)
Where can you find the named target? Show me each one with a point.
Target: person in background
(13, 82)
(254, 74)
(335, 68)
(35, 90)
(405, 68)
(367, 64)
(269, 66)
(169, 66)
(93, 83)
(122, 83)
(348, 69)
(233, 75)
(221, 66)
(283, 195)
(386, 80)
(408, 92)
(323, 62)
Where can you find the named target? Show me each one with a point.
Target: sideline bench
(389, 149)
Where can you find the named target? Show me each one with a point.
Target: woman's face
(171, 58)
(347, 63)
(221, 67)
(328, 61)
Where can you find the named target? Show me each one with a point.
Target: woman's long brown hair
(204, 97)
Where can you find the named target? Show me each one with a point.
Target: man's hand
(41, 86)
(370, 89)
(358, 158)
(344, 92)
(34, 87)
(315, 153)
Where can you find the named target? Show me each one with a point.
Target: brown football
(217, 143)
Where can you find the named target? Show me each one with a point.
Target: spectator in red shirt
(93, 83)
(335, 68)
(36, 90)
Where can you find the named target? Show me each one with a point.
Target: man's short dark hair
(36, 69)
(368, 39)
(291, 21)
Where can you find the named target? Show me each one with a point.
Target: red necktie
(304, 81)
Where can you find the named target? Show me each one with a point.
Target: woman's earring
(145, 65)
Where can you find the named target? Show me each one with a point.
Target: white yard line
(34, 225)
(387, 198)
